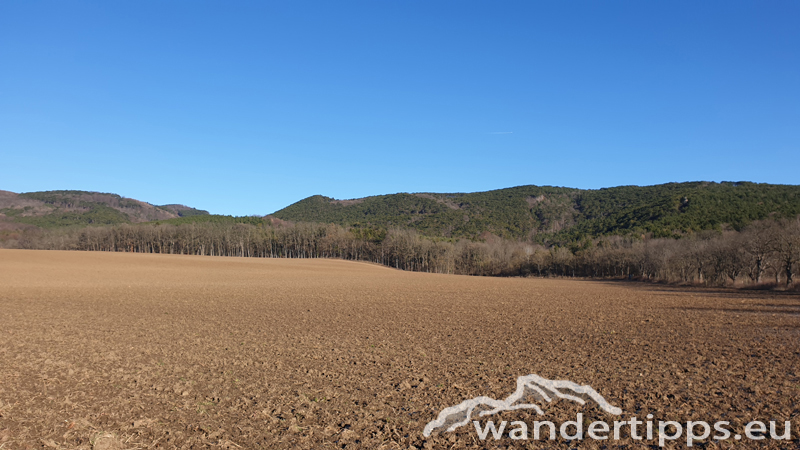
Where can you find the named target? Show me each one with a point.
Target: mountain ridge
(48, 209)
(547, 213)
(530, 213)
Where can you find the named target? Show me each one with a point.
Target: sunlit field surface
(134, 351)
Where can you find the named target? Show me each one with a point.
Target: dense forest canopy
(549, 215)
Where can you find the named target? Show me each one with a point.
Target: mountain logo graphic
(531, 389)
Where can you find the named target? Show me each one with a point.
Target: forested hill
(50, 209)
(544, 213)
(532, 213)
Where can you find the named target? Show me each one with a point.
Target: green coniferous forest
(554, 214)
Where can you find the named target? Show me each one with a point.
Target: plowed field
(128, 351)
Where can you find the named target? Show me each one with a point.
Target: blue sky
(245, 107)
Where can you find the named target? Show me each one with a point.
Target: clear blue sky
(245, 107)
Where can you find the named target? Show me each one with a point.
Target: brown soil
(130, 351)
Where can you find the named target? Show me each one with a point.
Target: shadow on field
(791, 310)
(740, 293)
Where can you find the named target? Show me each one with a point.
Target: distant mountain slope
(543, 212)
(534, 213)
(184, 211)
(49, 209)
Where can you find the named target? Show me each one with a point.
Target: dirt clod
(107, 441)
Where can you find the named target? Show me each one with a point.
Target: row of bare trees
(764, 252)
